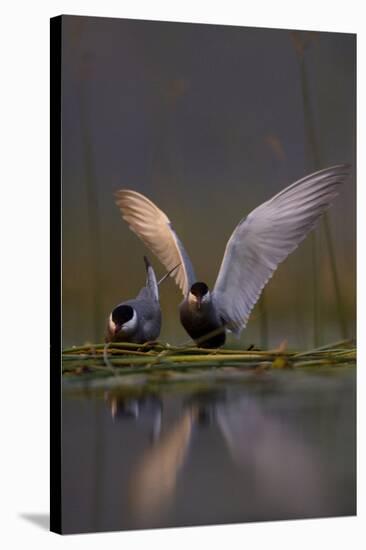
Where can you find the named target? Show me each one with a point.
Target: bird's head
(199, 295)
(123, 319)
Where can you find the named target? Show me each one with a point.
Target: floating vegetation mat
(128, 363)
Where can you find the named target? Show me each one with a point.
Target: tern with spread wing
(259, 243)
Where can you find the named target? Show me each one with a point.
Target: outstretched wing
(266, 237)
(153, 227)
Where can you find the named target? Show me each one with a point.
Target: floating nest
(120, 360)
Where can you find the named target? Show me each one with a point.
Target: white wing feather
(153, 227)
(266, 237)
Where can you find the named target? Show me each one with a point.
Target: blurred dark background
(208, 121)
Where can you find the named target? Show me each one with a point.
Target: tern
(138, 320)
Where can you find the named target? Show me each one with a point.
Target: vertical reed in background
(301, 40)
(91, 197)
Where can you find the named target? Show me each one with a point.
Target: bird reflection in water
(282, 472)
(144, 409)
(154, 479)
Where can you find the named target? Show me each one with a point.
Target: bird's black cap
(199, 289)
(122, 314)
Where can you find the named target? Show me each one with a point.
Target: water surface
(266, 446)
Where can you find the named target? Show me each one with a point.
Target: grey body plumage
(258, 244)
(137, 320)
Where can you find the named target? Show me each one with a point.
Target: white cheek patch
(192, 299)
(206, 297)
(131, 324)
(112, 324)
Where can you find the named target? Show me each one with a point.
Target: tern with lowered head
(138, 320)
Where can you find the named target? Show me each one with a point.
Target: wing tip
(125, 194)
(345, 168)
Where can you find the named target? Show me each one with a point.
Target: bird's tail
(151, 282)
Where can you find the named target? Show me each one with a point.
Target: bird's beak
(199, 301)
(117, 328)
